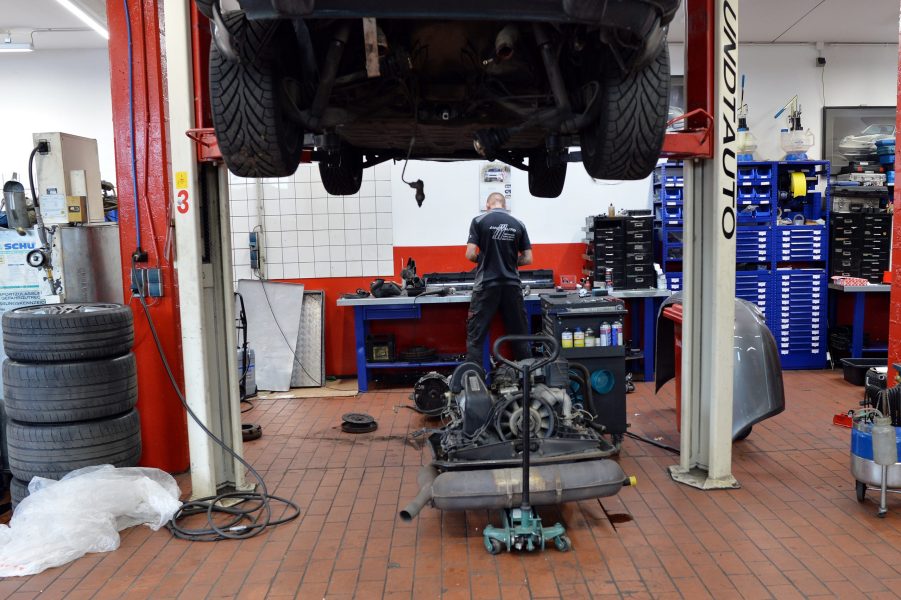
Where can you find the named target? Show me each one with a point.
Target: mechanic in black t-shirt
(498, 244)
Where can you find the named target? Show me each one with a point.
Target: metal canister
(616, 334)
(604, 334)
(16, 206)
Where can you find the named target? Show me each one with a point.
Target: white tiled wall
(308, 233)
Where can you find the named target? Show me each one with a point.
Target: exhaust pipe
(505, 43)
(426, 477)
(502, 488)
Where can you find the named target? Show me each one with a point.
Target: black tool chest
(607, 364)
(624, 245)
(861, 244)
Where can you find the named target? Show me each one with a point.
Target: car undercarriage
(362, 87)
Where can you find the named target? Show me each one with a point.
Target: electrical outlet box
(150, 280)
(138, 281)
(254, 250)
(154, 283)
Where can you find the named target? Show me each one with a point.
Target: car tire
(18, 490)
(545, 181)
(254, 134)
(67, 332)
(71, 391)
(51, 451)
(625, 140)
(344, 177)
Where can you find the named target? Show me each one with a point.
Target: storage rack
(624, 245)
(780, 267)
(860, 232)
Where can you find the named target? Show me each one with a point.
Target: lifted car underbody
(515, 82)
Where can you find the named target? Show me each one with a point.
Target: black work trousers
(484, 305)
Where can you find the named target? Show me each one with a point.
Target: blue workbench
(860, 293)
(405, 307)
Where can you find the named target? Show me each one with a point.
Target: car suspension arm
(329, 72)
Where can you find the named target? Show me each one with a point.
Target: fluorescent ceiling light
(7, 45)
(85, 18)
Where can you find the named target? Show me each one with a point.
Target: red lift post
(894, 320)
(163, 420)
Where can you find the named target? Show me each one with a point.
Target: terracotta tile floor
(793, 530)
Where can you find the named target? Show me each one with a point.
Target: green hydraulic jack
(522, 527)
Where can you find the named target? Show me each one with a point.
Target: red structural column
(699, 59)
(163, 420)
(894, 326)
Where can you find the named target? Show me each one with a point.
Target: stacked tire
(69, 390)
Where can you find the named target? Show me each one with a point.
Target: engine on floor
(484, 422)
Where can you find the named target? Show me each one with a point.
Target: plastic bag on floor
(83, 512)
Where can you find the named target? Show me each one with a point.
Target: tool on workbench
(413, 284)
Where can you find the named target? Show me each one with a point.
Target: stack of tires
(69, 390)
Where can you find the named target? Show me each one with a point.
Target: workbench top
(873, 287)
(534, 296)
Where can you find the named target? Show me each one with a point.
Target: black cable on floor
(250, 513)
(654, 443)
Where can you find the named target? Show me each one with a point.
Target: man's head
(496, 200)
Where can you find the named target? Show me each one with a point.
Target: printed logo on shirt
(503, 232)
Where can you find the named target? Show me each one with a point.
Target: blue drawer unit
(781, 266)
(669, 242)
(800, 243)
(674, 281)
(756, 199)
(671, 215)
(669, 181)
(754, 286)
(797, 317)
(752, 244)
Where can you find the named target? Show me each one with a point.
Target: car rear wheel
(625, 140)
(247, 99)
(344, 174)
(545, 180)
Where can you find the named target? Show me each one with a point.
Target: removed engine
(478, 453)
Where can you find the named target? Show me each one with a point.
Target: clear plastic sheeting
(83, 512)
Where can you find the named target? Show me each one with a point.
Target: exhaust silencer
(502, 488)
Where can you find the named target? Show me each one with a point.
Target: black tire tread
(545, 181)
(53, 450)
(18, 490)
(69, 392)
(255, 139)
(345, 178)
(31, 337)
(625, 141)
